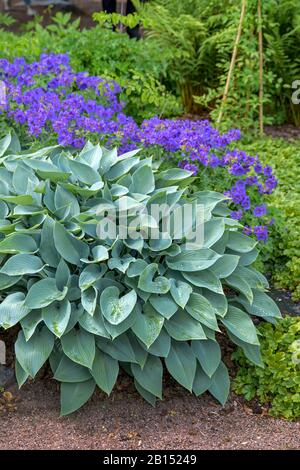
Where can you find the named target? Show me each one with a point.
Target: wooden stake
(233, 60)
(261, 70)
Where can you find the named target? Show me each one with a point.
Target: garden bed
(125, 421)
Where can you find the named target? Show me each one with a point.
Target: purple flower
(261, 232)
(247, 230)
(260, 211)
(236, 215)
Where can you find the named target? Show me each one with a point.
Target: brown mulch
(125, 421)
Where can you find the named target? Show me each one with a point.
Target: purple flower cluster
(50, 99)
(48, 96)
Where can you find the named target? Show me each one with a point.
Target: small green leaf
(32, 354)
(43, 293)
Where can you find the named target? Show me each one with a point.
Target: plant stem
(261, 69)
(233, 60)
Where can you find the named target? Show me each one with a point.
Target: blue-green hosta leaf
(145, 394)
(47, 247)
(18, 243)
(75, 395)
(90, 275)
(30, 322)
(24, 200)
(248, 258)
(205, 279)
(255, 279)
(262, 305)
(180, 292)
(225, 266)
(161, 345)
(47, 170)
(84, 173)
(148, 325)
(79, 346)
(191, 261)
(32, 354)
(121, 168)
(241, 243)
(4, 144)
(116, 309)
(69, 247)
(57, 316)
(140, 352)
(241, 325)
(143, 180)
(219, 302)
(251, 351)
(208, 353)
(171, 176)
(91, 156)
(200, 309)
(89, 300)
(241, 285)
(201, 382)
(21, 374)
(159, 285)
(8, 281)
(43, 293)
(164, 304)
(76, 312)
(18, 265)
(62, 274)
(210, 199)
(183, 327)
(105, 371)
(12, 310)
(181, 364)
(150, 376)
(220, 384)
(117, 330)
(64, 199)
(213, 231)
(121, 264)
(99, 253)
(136, 267)
(108, 159)
(70, 372)
(94, 324)
(120, 348)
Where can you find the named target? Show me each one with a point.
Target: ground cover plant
(92, 304)
(278, 383)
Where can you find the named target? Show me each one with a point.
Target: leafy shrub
(92, 304)
(139, 68)
(278, 382)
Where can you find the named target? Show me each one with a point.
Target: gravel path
(125, 421)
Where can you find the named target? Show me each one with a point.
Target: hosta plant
(93, 304)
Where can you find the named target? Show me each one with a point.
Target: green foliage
(199, 35)
(138, 67)
(92, 304)
(281, 255)
(278, 382)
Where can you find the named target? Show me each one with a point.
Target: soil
(125, 421)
